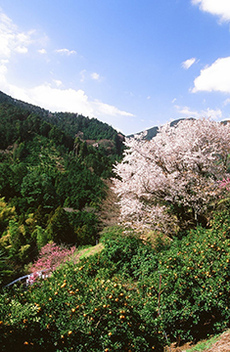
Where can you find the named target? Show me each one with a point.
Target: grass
(87, 251)
(204, 345)
(91, 250)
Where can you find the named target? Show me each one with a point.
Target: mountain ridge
(90, 130)
(90, 136)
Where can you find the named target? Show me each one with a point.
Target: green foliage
(89, 129)
(7, 213)
(41, 236)
(78, 308)
(37, 188)
(59, 229)
(85, 227)
(5, 269)
(78, 187)
(129, 296)
(52, 187)
(126, 251)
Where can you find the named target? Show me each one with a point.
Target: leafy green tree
(7, 213)
(15, 233)
(85, 226)
(37, 187)
(6, 181)
(59, 228)
(79, 186)
(42, 236)
(5, 269)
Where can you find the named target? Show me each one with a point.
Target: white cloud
(215, 77)
(42, 51)
(220, 8)
(185, 111)
(3, 71)
(11, 39)
(102, 109)
(57, 99)
(82, 75)
(70, 100)
(95, 76)
(57, 82)
(227, 101)
(65, 52)
(21, 49)
(85, 75)
(188, 63)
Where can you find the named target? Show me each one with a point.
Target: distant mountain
(152, 132)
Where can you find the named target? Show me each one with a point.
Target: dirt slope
(222, 344)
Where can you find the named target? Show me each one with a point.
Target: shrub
(79, 311)
(51, 256)
(129, 297)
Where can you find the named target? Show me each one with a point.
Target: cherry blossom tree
(171, 181)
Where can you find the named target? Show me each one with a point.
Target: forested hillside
(75, 125)
(51, 180)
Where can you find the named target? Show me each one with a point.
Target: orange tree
(129, 297)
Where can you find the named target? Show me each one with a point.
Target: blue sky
(131, 63)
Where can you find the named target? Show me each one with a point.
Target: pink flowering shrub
(225, 183)
(51, 256)
(32, 278)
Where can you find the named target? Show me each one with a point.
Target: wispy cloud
(21, 49)
(95, 76)
(226, 102)
(42, 51)
(54, 98)
(12, 40)
(215, 77)
(66, 52)
(102, 109)
(57, 82)
(220, 8)
(85, 75)
(186, 111)
(188, 63)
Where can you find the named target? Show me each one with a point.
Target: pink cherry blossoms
(51, 256)
(225, 183)
(172, 179)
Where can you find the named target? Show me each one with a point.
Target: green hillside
(51, 181)
(73, 124)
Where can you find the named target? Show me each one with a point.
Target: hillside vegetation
(129, 297)
(161, 276)
(51, 181)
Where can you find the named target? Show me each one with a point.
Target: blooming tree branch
(173, 177)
